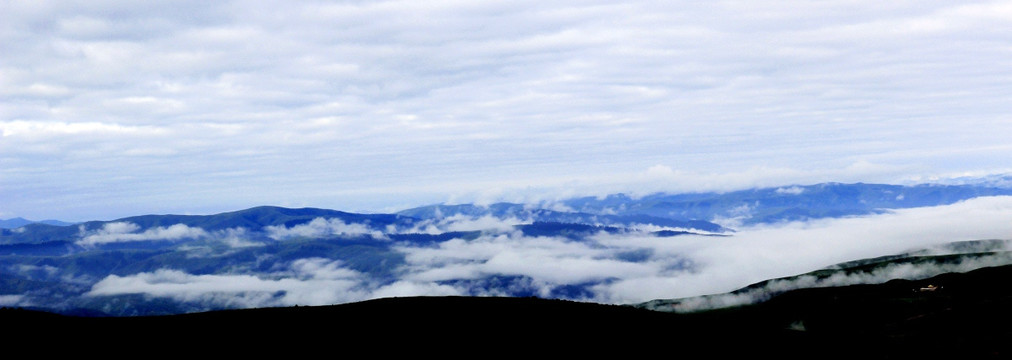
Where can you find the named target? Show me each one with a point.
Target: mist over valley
(614, 250)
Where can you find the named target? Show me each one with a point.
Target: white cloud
(45, 129)
(691, 265)
(309, 282)
(764, 252)
(319, 227)
(554, 261)
(793, 190)
(876, 276)
(463, 222)
(622, 268)
(126, 231)
(236, 238)
(416, 288)
(13, 300)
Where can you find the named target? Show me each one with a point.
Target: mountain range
(278, 257)
(19, 222)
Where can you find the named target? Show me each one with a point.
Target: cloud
(463, 222)
(755, 254)
(320, 227)
(126, 232)
(879, 275)
(311, 281)
(410, 98)
(403, 288)
(13, 300)
(555, 261)
(794, 190)
(622, 268)
(692, 265)
(236, 238)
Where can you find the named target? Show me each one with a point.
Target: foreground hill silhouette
(954, 315)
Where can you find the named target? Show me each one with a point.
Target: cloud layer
(112, 109)
(618, 268)
(127, 232)
(321, 227)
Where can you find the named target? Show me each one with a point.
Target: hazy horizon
(551, 199)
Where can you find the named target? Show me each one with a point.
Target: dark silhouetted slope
(966, 316)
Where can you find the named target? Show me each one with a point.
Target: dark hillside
(957, 315)
(963, 315)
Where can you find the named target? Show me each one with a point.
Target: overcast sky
(114, 108)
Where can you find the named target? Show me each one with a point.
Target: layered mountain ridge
(273, 256)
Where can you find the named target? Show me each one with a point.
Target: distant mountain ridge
(696, 210)
(255, 218)
(522, 211)
(19, 222)
(787, 203)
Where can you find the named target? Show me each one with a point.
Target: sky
(111, 109)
